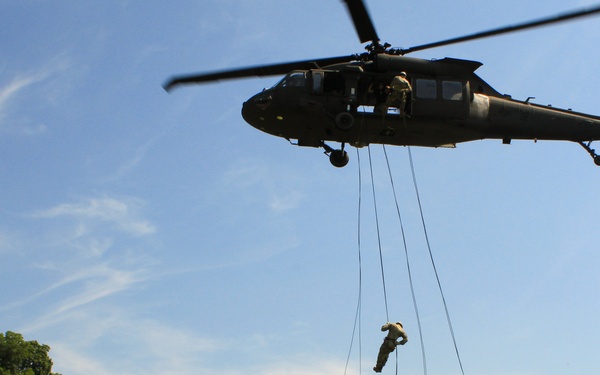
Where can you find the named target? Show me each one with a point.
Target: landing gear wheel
(597, 160)
(344, 121)
(339, 158)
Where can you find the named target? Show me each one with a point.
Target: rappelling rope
(412, 289)
(357, 316)
(412, 167)
(387, 314)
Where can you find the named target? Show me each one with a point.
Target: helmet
(403, 74)
(400, 324)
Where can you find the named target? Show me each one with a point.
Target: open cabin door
(335, 92)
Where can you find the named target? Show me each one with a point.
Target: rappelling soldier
(395, 331)
(400, 89)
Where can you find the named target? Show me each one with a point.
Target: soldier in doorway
(380, 92)
(395, 331)
(400, 89)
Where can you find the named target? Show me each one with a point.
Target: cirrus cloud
(122, 213)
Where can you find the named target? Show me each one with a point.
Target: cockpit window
(294, 79)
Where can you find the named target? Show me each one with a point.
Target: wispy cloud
(252, 180)
(81, 294)
(150, 346)
(145, 345)
(10, 91)
(91, 284)
(100, 281)
(13, 94)
(300, 366)
(319, 368)
(137, 157)
(281, 202)
(119, 212)
(7, 242)
(19, 83)
(73, 254)
(70, 361)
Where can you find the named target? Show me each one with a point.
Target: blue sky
(145, 232)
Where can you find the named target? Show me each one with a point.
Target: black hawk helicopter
(332, 99)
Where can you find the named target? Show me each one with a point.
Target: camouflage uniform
(389, 343)
(400, 88)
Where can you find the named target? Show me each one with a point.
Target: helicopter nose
(263, 100)
(248, 112)
(253, 110)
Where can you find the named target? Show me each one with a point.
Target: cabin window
(426, 88)
(452, 90)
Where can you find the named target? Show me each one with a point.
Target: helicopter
(334, 99)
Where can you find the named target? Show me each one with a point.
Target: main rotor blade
(504, 30)
(257, 71)
(362, 21)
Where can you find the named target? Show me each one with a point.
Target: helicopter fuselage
(449, 104)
